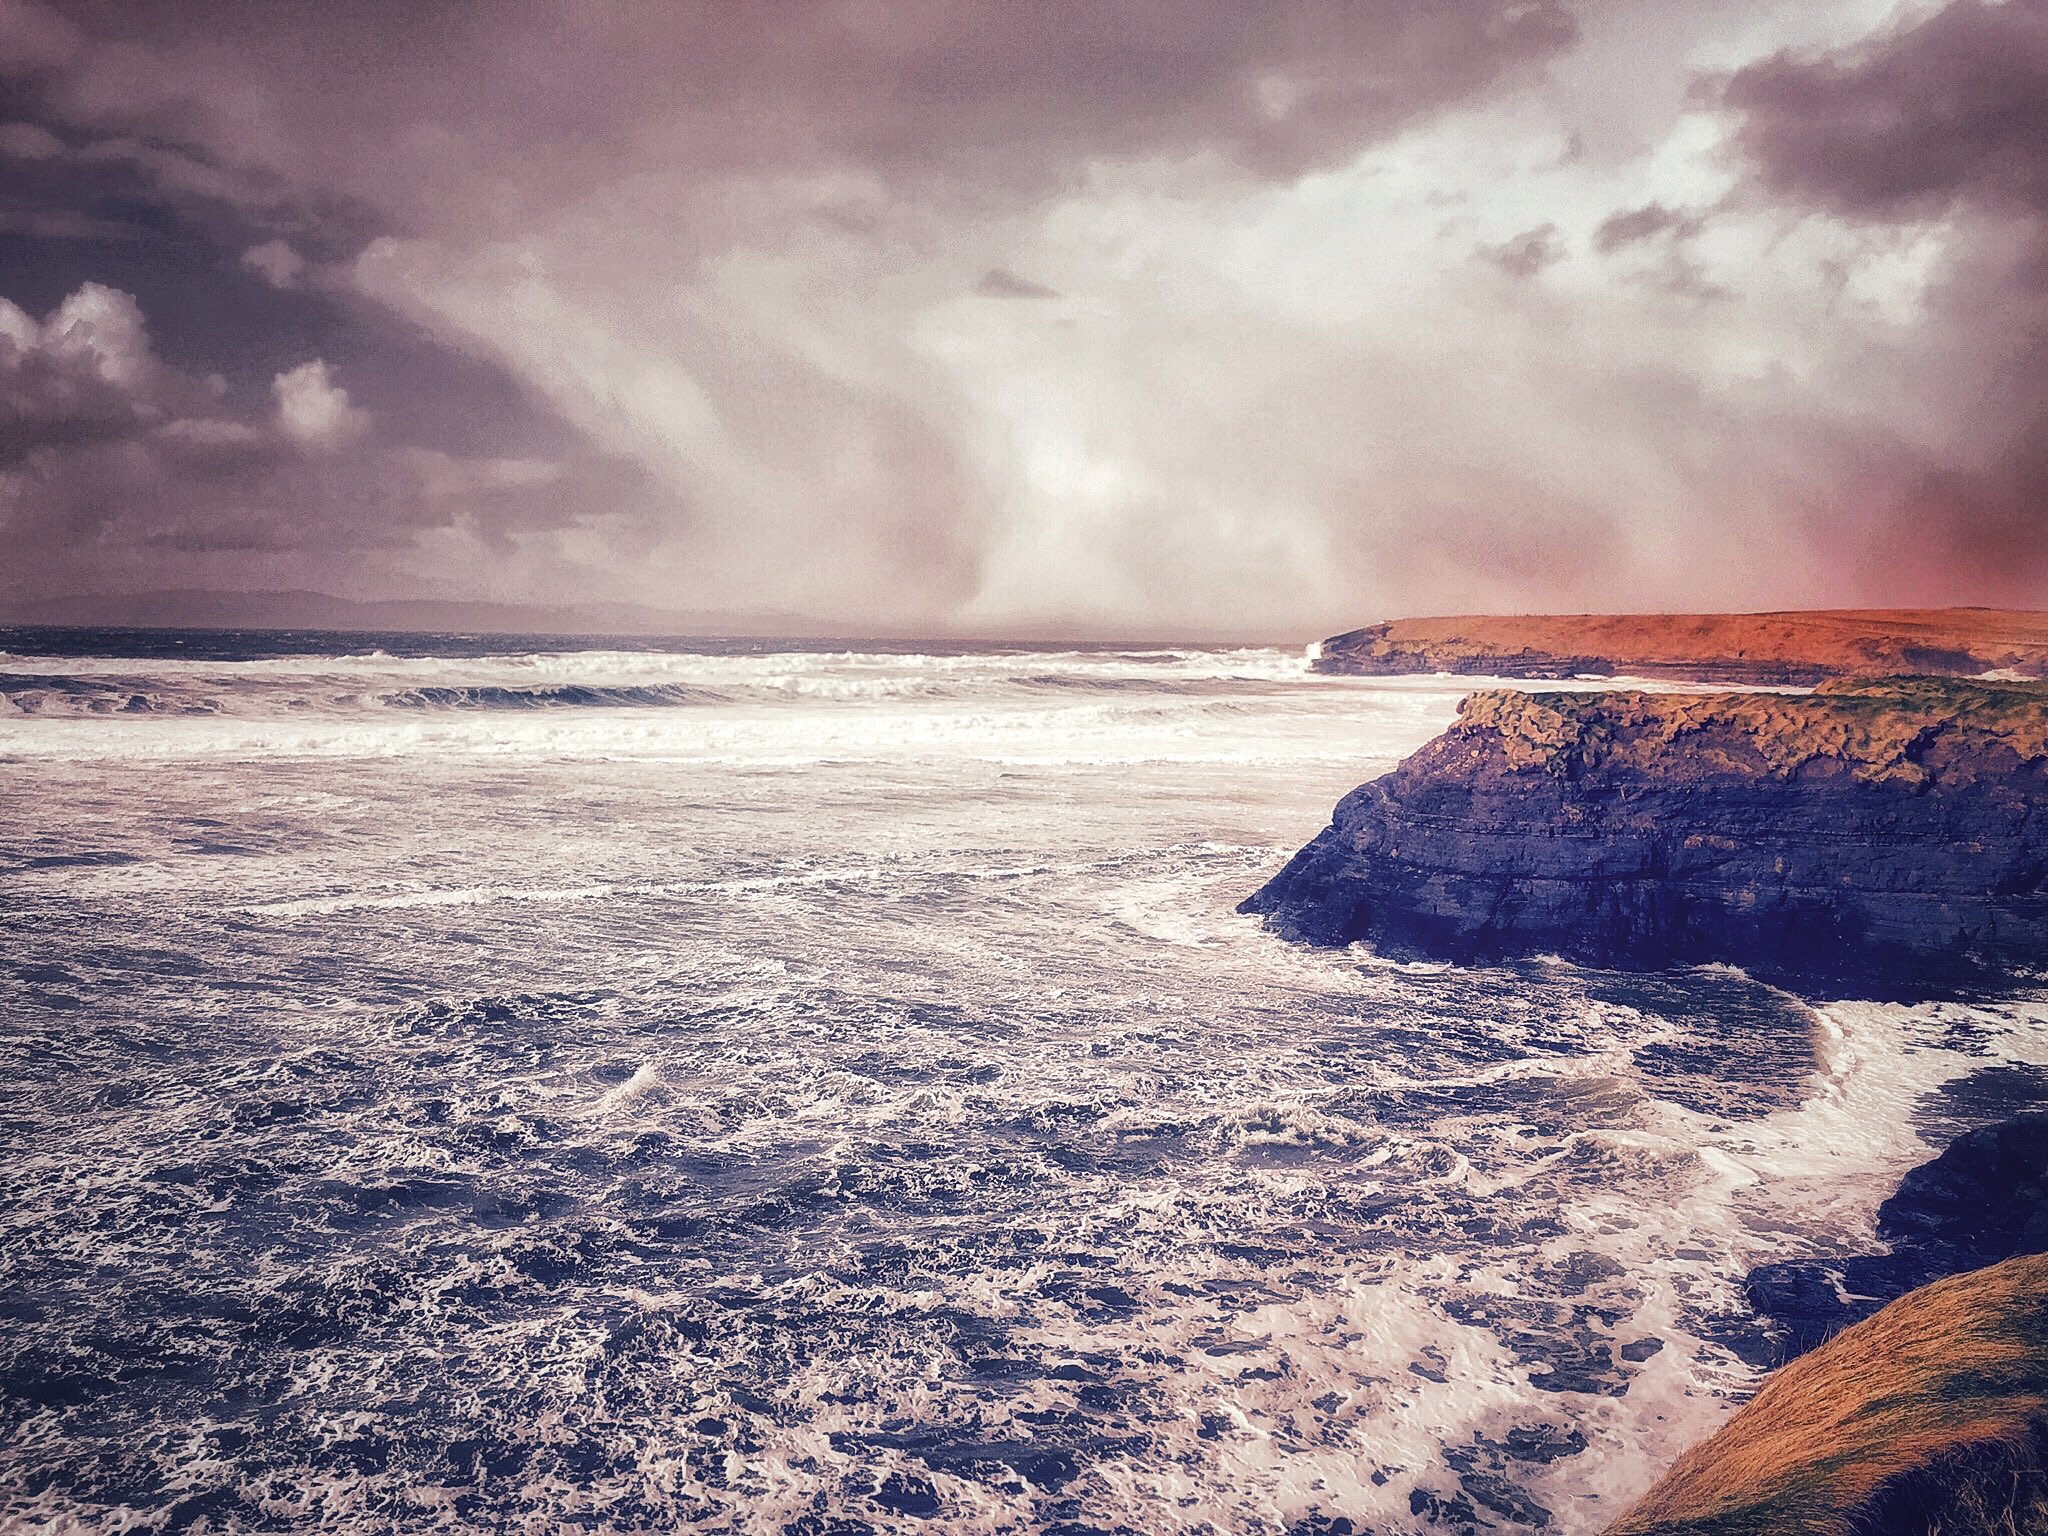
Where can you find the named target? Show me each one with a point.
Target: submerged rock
(1983, 1200)
(1766, 648)
(1870, 837)
(1931, 1416)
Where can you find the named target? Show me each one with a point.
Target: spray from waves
(744, 666)
(567, 695)
(340, 686)
(74, 697)
(295, 686)
(773, 710)
(553, 1116)
(1163, 691)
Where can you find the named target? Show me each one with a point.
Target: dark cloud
(222, 286)
(1527, 254)
(108, 450)
(1952, 111)
(1943, 120)
(1633, 225)
(986, 88)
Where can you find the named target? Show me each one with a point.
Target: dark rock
(1811, 1300)
(1870, 838)
(1983, 1200)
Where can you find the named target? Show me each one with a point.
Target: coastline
(1875, 838)
(1103, 1158)
(1880, 837)
(1796, 649)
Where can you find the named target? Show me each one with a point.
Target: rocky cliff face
(1767, 649)
(1869, 837)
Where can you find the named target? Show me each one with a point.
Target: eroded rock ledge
(1768, 649)
(1874, 836)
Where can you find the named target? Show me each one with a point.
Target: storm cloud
(108, 450)
(1951, 111)
(970, 315)
(1934, 137)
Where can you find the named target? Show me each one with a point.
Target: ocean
(513, 1084)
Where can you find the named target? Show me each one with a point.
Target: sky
(1162, 316)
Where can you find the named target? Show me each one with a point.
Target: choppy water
(796, 1091)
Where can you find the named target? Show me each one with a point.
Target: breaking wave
(56, 694)
(803, 1092)
(299, 686)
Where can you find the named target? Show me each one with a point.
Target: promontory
(1770, 649)
(1872, 836)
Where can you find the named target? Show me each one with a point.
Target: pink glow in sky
(1146, 317)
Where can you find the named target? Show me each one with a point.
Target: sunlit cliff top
(1891, 729)
(1799, 645)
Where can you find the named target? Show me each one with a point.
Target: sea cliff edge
(1876, 837)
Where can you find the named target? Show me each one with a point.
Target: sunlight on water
(821, 1092)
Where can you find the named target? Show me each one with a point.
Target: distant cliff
(1770, 649)
(1871, 836)
(1931, 1417)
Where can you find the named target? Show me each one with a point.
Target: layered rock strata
(1873, 837)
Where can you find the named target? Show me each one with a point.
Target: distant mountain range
(318, 610)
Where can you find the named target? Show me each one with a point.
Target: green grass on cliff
(1928, 1419)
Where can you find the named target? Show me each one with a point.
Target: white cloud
(86, 372)
(101, 329)
(118, 467)
(277, 263)
(314, 411)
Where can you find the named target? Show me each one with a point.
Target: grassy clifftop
(1796, 647)
(1907, 730)
(1930, 1417)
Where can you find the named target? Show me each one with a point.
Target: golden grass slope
(1928, 1419)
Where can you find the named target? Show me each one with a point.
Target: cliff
(1871, 836)
(1770, 649)
(1931, 1416)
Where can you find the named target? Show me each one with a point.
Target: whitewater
(480, 1084)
